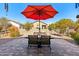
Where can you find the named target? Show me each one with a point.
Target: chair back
(45, 40)
(32, 39)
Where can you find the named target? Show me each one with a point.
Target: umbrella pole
(39, 35)
(39, 28)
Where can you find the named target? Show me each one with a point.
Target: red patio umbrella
(40, 12)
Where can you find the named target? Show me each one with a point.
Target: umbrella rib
(33, 7)
(36, 8)
(45, 7)
(48, 15)
(28, 11)
(49, 11)
(33, 14)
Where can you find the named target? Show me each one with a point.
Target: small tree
(77, 27)
(14, 32)
(51, 26)
(28, 26)
(4, 23)
(1, 28)
(62, 25)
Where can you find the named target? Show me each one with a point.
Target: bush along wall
(75, 36)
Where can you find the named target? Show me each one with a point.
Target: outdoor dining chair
(45, 40)
(32, 40)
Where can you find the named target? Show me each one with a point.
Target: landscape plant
(75, 36)
(14, 31)
(28, 26)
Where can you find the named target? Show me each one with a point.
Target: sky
(65, 10)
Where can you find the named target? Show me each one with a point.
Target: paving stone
(19, 47)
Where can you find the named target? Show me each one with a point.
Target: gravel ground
(19, 47)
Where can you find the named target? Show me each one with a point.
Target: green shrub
(14, 31)
(15, 34)
(75, 36)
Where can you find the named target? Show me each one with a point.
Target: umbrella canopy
(40, 12)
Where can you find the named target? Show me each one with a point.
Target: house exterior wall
(42, 25)
(15, 24)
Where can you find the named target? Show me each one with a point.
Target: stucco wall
(36, 24)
